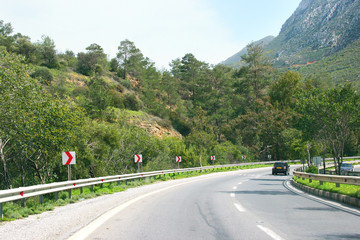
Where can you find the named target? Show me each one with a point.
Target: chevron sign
(68, 158)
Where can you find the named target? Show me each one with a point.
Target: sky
(163, 30)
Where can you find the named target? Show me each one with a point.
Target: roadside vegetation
(345, 189)
(108, 110)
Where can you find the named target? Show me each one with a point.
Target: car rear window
(279, 164)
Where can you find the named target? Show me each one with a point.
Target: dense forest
(52, 102)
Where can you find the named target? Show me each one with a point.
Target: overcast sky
(163, 30)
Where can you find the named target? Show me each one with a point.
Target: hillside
(320, 40)
(341, 67)
(235, 60)
(317, 29)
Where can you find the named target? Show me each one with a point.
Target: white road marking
(235, 187)
(232, 194)
(239, 207)
(269, 232)
(239, 183)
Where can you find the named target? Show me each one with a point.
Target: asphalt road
(248, 204)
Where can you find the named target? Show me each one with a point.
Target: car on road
(280, 167)
(346, 167)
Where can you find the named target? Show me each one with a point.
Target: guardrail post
(69, 193)
(41, 199)
(321, 182)
(92, 188)
(23, 202)
(337, 184)
(56, 196)
(81, 190)
(310, 180)
(1, 211)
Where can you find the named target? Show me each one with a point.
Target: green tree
(130, 59)
(283, 91)
(23, 46)
(93, 62)
(331, 115)
(218, 97)
(34, 127)
(256, 74)
(5, 39)
(46, 53)
(201, 138)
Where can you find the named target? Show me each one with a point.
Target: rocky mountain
(317, 29)
(235, 59)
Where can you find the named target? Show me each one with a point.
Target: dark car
(280, 167)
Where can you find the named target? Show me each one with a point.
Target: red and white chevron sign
(68, 158)
(138, 158)
(243, 157)
(212, 158)
(178, 159)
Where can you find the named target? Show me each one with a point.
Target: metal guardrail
(338, 179)
(42, 189)
(38, 190)
(329, 178)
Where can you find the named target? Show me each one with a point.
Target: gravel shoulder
(64, 221)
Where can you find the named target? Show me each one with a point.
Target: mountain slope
(343, 66)
(318, 28)
(235, 59)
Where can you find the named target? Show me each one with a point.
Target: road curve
(248, 204)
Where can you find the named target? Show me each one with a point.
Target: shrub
(131, 102)
(312, 169)
(43, 74)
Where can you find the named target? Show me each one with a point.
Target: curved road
(248, 204)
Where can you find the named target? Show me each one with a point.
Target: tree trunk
(7, 179)
(308, 146)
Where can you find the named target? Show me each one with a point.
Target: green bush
(312, 169)
(131, 102)
(43, 74)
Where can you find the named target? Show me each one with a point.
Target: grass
(21, 209)
(345, 189)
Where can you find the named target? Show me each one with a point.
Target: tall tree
(93, 61)
(6, 39)
(332, 115)
(130, 58)
(257, 72)
(283, 91)
(47, 52)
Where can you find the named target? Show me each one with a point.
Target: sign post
(69, 158)
(138, 160)
(303, 163)
(317, 162)
(178, 160)
(213, 160)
